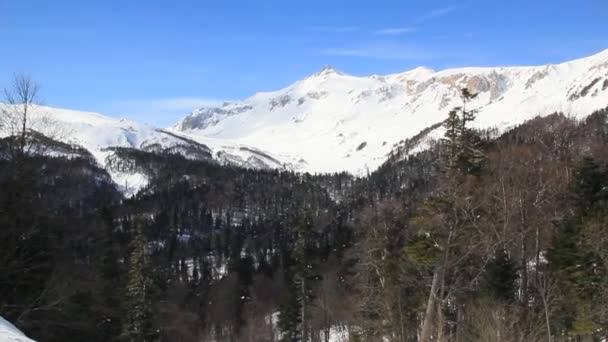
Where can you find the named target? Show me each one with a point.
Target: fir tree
(462, 142)
(590, 185)
(467, 115)
(451, 140)
(137, 279)
(498, 280)
(571, 265)
(571, 261)
(290, 313)
(110, 279)
(470, 155)
(293, 320)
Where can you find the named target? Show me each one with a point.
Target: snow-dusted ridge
(100, 135)
(333, 121)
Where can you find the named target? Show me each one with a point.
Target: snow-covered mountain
(100, 134)
(332, 121)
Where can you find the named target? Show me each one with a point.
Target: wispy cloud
(178, 103)
(335, 29)
(393, 31)
(438, 12)
(343, 52)
(164, 111)
(380, 51)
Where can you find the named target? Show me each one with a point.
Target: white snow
(333, 122)
(9, 333)
(338, 334)
(326, 118)
(129, 183)
(97, 132)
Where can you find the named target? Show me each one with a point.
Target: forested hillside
(481, 237)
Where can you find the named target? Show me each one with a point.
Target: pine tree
(498, 280)
(110, 279)
(467, 115)
(470, 156)
(137, 279)
(290, 313)
(572, 261)
(589, 185)
(451, 140)
(462, 142)
(293, 320)
(571, 265)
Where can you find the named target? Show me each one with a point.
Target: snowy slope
(331, 121)
(8, 333)
(98, 134)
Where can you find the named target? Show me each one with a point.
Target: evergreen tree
(571, 265)
(467, 115)
(451, 140)
(290, 319)
(136, 308)
(571, 261)
(577, 266)
(590, 185)
(302, 274)
(462, 142)
(293, 320)
(470, 156)
(498, 280)
(110, 278)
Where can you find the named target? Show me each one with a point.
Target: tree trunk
(547, 318)
(524, 280)
(427, 325)
(440, 321)
(524, 299)
(303, 311)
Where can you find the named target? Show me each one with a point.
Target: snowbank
(8, 333)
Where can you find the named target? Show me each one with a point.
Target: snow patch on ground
(9, 333)
(129, 183)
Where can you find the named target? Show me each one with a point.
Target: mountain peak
(326, 117)
(420, 71)
(327, 70)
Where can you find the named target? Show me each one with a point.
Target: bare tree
(547, 291)
(21, 118)
(333, 306)
(19, 100)
(451, 219)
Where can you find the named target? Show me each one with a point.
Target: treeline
(477, 238)
(52, 226)
(508, 243)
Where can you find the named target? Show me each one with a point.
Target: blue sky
(153, 60)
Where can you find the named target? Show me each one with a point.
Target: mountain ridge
(332, 122)
(324, 118)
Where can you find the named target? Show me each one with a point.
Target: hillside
(332, 121)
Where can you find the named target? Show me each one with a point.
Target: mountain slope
(101, 135)
(331, 121)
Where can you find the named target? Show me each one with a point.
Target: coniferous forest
(482, 236)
